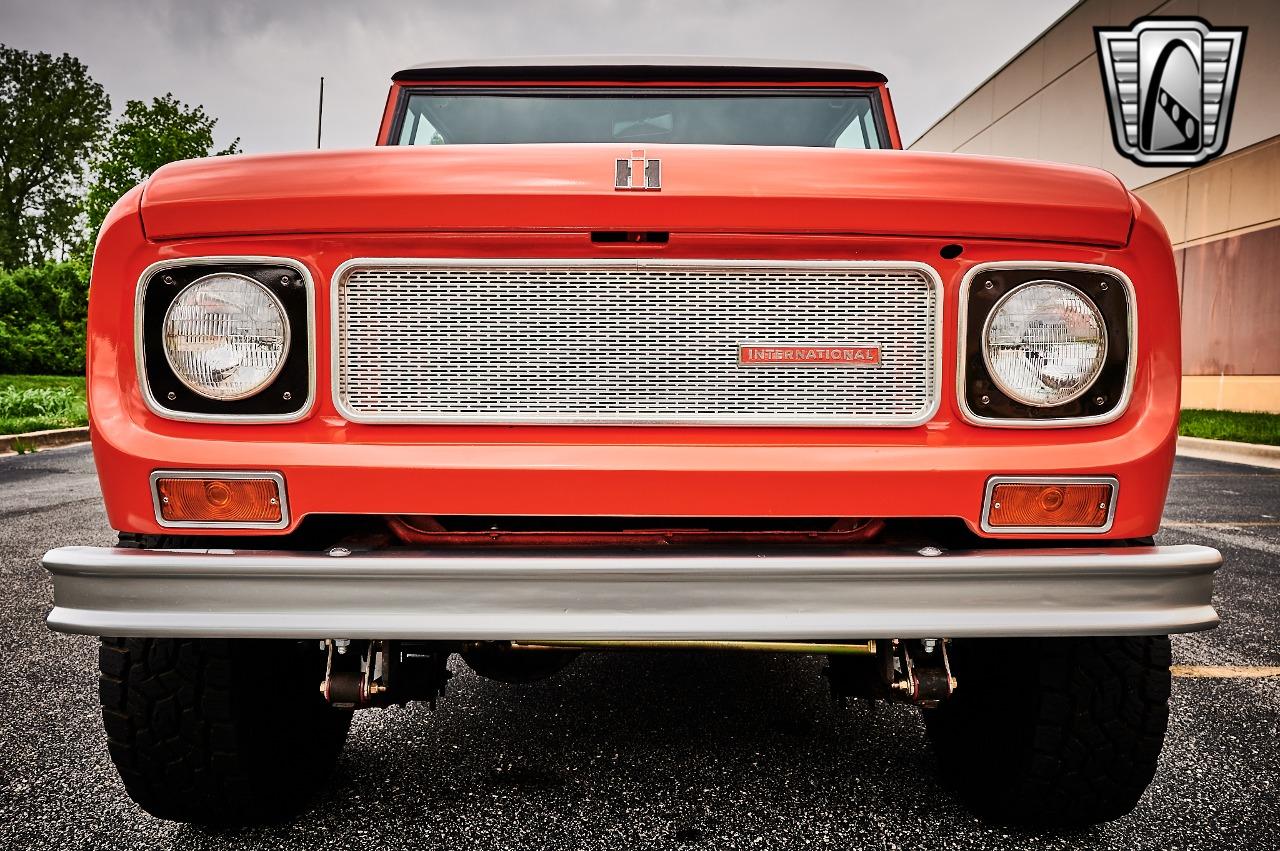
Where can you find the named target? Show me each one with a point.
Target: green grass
(1230, 425)
(39, 402)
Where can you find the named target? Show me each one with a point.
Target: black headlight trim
(288, 397)
(983, 402)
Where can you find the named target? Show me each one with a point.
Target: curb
(1253, 454)
(44, 439)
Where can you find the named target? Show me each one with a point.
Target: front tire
(218, 731)
(1055, 732)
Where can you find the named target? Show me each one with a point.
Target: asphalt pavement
(642, 750)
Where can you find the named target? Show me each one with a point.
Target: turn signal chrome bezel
(226, 481)
(1065, 483)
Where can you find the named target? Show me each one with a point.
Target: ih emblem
(1171, 83)
(636, 172)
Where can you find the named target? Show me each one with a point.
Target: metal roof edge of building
(997, 72)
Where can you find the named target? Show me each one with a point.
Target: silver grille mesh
(630, 342)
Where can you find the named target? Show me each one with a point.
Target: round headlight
(226, 336)
(1044, 343)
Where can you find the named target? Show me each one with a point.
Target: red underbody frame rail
(429, 532)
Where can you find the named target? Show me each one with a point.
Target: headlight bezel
(1108, 290)
(288, 396)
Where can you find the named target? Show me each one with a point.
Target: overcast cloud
(256, 66)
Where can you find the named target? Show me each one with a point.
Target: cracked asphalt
(641, 750)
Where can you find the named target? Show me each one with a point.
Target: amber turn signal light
(1047, 505)
(219, 500)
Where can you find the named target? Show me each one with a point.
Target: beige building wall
(1223, 217)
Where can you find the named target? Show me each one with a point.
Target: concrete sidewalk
(1253, 454)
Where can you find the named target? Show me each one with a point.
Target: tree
(51, 114)
(143, 139)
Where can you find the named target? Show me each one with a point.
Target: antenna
(320, 115)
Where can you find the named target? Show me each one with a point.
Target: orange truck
(595, 354)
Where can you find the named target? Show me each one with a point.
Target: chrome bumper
(529, 597)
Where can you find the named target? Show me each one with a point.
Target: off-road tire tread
(1061, 732)
(218, 732)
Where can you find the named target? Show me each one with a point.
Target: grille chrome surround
(630, 342)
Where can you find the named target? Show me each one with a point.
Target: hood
(726, 189)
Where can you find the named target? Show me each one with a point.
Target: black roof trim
(640, 69)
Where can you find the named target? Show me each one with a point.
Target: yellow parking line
(1233, 672)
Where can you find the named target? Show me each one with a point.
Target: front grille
(644, 342)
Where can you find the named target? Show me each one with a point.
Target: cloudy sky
(256, 66)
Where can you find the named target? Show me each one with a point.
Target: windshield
(820, 119)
